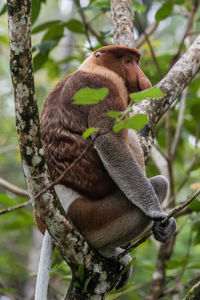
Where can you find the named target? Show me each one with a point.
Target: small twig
(13, 188)
(177, 289)
(187, 256)
(5, 149)
(53, 183)
(138, 243)
(187, 31)
(88, 26)
(180, 207)
(169, 155)
(149, 233)
(193, 33)
(148, 31)
(10, 209)
(149, 44)
(193, 162)
(179, 123)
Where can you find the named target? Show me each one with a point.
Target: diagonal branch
(173, 213)
(13, 188)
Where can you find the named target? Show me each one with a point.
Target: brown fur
(106, 194)
(62, 124)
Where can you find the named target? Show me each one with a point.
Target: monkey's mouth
(134, 89)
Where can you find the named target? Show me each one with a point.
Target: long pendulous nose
(144, 82)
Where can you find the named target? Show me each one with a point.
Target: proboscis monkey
(107, 194)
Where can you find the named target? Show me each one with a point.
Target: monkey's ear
(97, 54)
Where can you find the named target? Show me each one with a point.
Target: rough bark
(172, 86)
(70, 243)
(194, 293)
(72, 246)
(121, 14)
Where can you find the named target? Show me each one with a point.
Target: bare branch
(13, 188)
(10, 209)
(158, 280)
(172, 84)
(7, 148)
(173, 213)
(194, 293)
(190, 16)
(149, 44)
(180, 207)
(71, 166)
(192, 164)
(148, 31)
(88, 25)
(179, 122)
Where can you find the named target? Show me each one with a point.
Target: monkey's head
(125, 62)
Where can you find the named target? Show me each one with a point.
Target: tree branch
(70, 243)
(173, 213)
(194, 293)
(10, 209)
(172, 86)
(88, 25)
(179, 122)
(147, 32)
(13, 188)
(122, 21)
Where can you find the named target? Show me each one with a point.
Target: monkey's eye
(127, 60)
(97, 54)
(137, 59)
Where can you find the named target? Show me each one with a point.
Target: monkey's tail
(44, 268)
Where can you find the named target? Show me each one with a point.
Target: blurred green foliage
(60, 43)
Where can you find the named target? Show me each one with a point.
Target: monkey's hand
(163, 232)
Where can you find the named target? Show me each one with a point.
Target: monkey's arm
(117, 158)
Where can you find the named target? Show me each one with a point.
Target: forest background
(63, 33)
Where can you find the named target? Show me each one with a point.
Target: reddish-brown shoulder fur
(62, 122)
(62, 125)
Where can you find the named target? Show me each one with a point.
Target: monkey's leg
(111, 221)
(161, 186)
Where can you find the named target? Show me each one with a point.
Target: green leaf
(45, 46)
(136, 122)
(75, 26)
(81, 272)
(76, 284)
(4, 39)
(3, 9)
(165, 11)
(128, 266)
(113, 114)
(118, 292)
(86, 284)
(45, 26)
(35, 11)
(90, 96)
(89, 131)
(194, 205)
(39, 60)
(154, 92)
(54, 33)
(177, 262)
